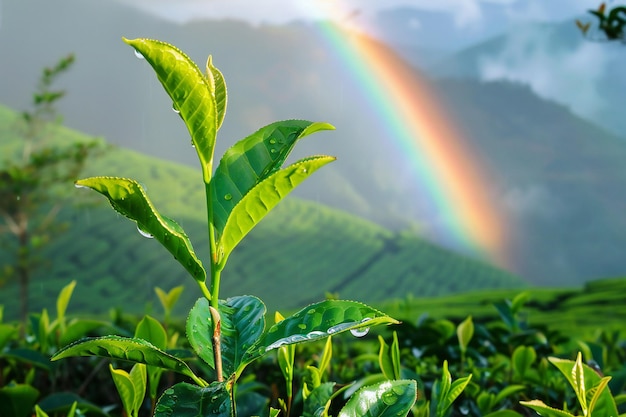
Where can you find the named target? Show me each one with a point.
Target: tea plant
(592, 391)
(226, 334)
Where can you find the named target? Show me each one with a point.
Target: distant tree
(32, 182)
(611, 23)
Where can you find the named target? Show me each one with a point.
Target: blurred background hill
(552, 142)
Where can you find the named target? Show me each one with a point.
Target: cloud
(465, 12)
(568, 75)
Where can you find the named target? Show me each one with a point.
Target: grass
(318, 248)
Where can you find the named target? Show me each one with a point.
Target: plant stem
(217, 346)
(215, 269)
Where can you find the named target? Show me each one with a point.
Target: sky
(465, 12)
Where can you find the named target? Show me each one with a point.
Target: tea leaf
(318, 321)
(151, 330)
(545, 410)
(465, 332)
(243, 321)
(523, 358)
(253, 159)
(318, 400)
(129, 198)
(262, 198)
(604, 404)
(123, 348)
(62, 301)
(186, 400)
(388, 398)
(216, 80)
(191, 92)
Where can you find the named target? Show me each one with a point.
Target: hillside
(557, 176)
(297, 254)
(589, 75)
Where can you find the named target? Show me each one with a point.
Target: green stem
(215, 269)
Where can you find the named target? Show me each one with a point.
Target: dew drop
(302, 326)
(273, 150)
(228, 197)
(139, 54)
(360, 332)
(193, 145)
(272, 141)
(80, 186)
(144, 233)
(169, 391)
(304, 170)
(175, 109)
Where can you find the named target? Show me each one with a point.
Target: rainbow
(443, 163)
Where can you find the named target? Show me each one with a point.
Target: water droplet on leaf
(144, 233)
(272, 141)
(139, 54)
(273, 150)
(360, 332)
(80, 186)
(228, 197)
(175, 109)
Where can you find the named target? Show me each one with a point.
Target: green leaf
(30, 357)
(442, 388)
(216, 80)
(546, 411)
(191, 92)
(17, 400)
(507, 391)
(186, 400)
(39, 412)
(523, 358)
(262, 198)
(384, 359)
(253, 159)
(62, 301)
(151, 330)
(129, 198)
(125, 389)
(138, 375)
(317, 402)
(594, 393)
(465, 332)
(286, 356)
(604, 405)
(243, 322)
(7, 332)
(456, 388)
(318, 321)
(169, 299)
(327, 355)
(388, 398)
(123, 348)
(78, 328)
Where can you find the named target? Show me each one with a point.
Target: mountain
(585, 75)
(299, 252)
(556, 176)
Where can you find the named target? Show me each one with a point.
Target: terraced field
(301, 251)
(598, 305)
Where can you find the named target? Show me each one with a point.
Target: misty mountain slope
(560, 178)
(559, 188)
(586, 74)
(297, 253)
